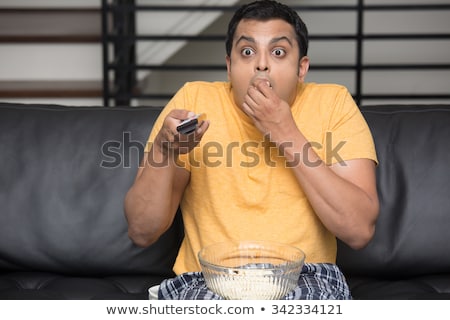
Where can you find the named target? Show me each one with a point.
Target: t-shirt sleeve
(348, 135)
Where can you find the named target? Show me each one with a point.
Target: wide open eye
(246, 52)
(278, 52)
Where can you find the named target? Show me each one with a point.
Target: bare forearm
(150, 204)
(152, 201)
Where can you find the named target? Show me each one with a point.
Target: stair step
(51, 89)
(52, 25)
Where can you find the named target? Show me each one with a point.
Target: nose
(260, 68)
(262, 63)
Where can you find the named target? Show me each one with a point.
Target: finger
(248, 110)
(172, 135)
(256, 96)
(204, 125)
(251, 98)
(264, 87)
(263, 81)
(181, 114)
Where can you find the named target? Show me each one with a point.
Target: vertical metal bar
(118, 59)
(359, 51)
(124, 51)
(105, 30)
(131, 52)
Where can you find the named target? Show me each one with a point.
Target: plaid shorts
(317, 281)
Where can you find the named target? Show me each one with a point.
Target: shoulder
(325, 100)
(201, 86)
(201, 96)
(327, 95)
(323, 90)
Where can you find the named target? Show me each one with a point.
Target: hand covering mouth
(261, 76)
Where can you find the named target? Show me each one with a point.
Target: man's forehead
(273, 28)
(265, 31)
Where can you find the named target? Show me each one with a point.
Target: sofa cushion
(426, 287)
(31, 285)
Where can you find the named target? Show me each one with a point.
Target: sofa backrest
(412, 233)
(64, 172)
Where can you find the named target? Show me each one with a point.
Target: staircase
(51, 53)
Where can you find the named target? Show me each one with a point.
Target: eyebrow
(274, 40)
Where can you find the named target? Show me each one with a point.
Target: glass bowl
(251, 270)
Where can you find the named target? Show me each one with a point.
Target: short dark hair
(264, 10)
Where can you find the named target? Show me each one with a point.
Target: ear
(303, 68)
(228, 61)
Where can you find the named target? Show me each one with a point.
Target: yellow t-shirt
(240, 187)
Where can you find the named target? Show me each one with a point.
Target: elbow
(141, 236)
(140, 239)
(362, 240)
(140, 233)
(364, 235)
(144, 234)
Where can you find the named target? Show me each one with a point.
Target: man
(278, 159)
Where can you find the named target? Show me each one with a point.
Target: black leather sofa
(64, 172)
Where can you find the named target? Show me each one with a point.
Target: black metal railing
(120, 70)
